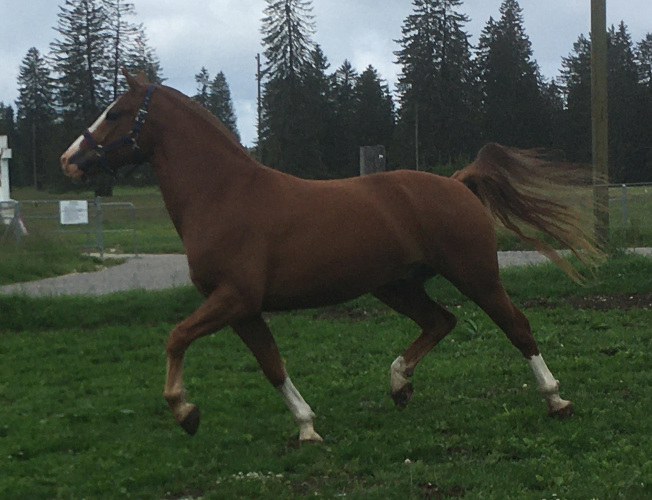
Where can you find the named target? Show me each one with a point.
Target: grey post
(372, 159)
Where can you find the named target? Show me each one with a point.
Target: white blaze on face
(74, 147)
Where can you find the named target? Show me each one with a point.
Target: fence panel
(44, 217)
(137, 221)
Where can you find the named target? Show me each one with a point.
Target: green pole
(599, 115)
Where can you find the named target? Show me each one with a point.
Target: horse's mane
(211, 120)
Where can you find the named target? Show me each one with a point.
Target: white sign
(73, 212)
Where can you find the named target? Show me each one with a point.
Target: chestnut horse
(259, 240)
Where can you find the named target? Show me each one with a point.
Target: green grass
(82, 416)
(44, 257)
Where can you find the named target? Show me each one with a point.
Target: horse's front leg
(255, 333)
(216, 312)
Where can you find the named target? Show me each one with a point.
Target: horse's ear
(135, 81)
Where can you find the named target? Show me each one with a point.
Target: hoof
(307, 434)
(561, 411)
(190, 423)
(403, 395)
(311, 438)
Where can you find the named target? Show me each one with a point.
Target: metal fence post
(372, 159)
(16, 223)
(623, 191)
(11, 226)
(99, 234)
(133, 224)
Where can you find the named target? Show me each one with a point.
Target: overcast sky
(224, 35)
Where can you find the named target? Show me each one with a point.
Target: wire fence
(630, 210)
(85, 223)
(629, 197)
(143, 225)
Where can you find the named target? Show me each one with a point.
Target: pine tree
(629, 109)
(575, 80)
(436, 85)
(513, 108)
(554, 106)
(343, 146)
(220, 103)
(626, 137)
(287, 28)
(374, 110)
(203, 80)
(345, 80)
(6, 119)
(215, 96)
(35, 113)
(287, 143)
(318, 117)
(35, 88)
(80, 60)
(123, 34)
(644, 62)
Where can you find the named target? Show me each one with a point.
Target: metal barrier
(49, 211)
(626, 195)
(11, 220)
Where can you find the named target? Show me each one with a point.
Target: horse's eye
(112, 116)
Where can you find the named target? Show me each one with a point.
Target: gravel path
(159, 272)
(145, 272)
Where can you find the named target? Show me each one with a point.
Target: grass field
(82, 416)
(44, 258)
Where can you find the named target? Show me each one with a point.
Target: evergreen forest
(453, 93)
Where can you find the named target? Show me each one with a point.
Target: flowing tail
(526, 195)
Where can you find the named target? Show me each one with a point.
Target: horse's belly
(329, 286)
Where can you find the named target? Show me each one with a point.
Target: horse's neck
(196, 163)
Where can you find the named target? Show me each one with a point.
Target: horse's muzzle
(73, 166)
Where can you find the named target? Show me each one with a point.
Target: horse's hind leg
(493, 299)
(410, 298)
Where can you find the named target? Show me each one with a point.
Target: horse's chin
(74, 172)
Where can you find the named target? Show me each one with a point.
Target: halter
(130, 138)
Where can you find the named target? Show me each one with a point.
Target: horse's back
(301, 243)
(341, 238)
(455, 232)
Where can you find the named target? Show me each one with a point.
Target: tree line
(451, 97)
(63, 91)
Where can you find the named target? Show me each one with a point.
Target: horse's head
(115, 138)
